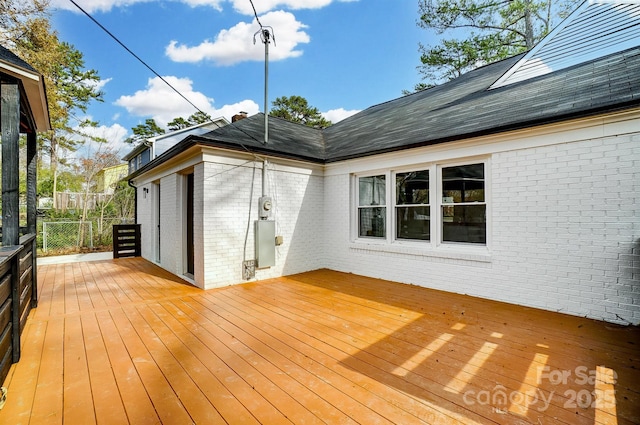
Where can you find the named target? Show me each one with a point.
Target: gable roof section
(13, 67)
(417, 118)
(597, 28)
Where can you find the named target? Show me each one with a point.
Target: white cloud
(241, 6)
(262, 6)
(335, 115)
(100, 84)
(227, 111)
(236, 44)
(163, 104)
(91, 6)
(113, 136)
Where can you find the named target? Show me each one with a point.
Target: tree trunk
(528, 26)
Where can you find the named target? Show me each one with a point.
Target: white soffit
(595, 29)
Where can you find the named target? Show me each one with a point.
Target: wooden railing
(18, 295)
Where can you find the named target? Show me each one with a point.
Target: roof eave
(34, 88)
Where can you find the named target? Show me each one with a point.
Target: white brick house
(522, 189)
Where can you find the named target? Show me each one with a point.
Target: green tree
(195, 119)
(88, 167)
(491, 30)
(297, 109)
(14, 16)
(178, 124)
(70, 88)
(144, 131)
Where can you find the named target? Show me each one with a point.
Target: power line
(136, 56)
(255, 13)
(102, 27)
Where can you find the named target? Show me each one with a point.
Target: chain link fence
(68, 237)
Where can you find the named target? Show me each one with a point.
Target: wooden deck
(123, 342)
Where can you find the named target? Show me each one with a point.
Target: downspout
(135, 201)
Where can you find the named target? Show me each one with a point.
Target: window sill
(446, 251)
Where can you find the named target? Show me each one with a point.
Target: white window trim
(434, 247)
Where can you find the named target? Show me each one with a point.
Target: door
(157, 218)
(189, 225)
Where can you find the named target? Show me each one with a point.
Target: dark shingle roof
(9, 57)
(416, 119)
(459, 109)
(286, 139)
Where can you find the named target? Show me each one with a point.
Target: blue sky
(342, 56)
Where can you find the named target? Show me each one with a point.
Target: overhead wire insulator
(266, 34)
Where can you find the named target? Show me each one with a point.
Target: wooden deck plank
(45, 292)
(47, 406)
(329, 351)
(138, 406)
(59, 283)
(254, 403)
(310, 391)
(71, 301)
(108, 404)
(241, 360)
(200, 409)
(519, 339)
(393, 350)
(94, 290)
(115, 293)
(210, 385)
(499, 316)
(23, 378)
(124, 341)
(78, 400)
(81, 284)
(165, 401)
(250, 403)
(363, 402)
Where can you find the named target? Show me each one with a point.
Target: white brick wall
(574, 224)
(565, 233)
(297, 198)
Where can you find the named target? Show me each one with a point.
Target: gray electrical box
(265, 243)
(265, 204)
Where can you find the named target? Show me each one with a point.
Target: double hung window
(412, 209)
(434, 205)
(464, 208)
(372, 206)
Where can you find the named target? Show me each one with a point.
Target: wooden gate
(126, 240)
